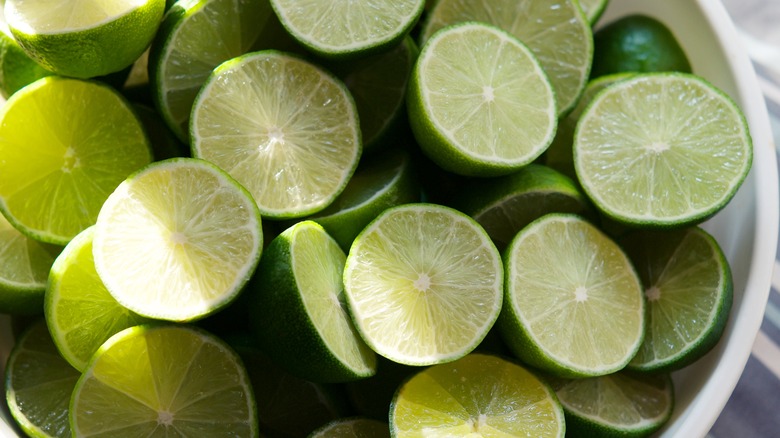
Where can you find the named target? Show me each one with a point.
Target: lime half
(663, 149)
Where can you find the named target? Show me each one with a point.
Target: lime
(24, 268)
(478, 395)
(16, 68)
(424, 284)
(194, 38)
(80, 312)
(177, 240)
(479, 103)
(689, 291)
(380, 182)
(378, 85)
(560, 155)
(637, 43)
(337, 29)
(38, 384)
(298, 284)
(662, 149)
(84, 38)
(66, 144)
(574, 304)
(506, 204)
(616, 405)
(158, 381)
(353, 427)
(556, 31)
(283, 127)
(593, 9)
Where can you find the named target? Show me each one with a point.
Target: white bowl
(747, 229)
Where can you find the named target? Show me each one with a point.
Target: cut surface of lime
(155, 381)
(353, 428)
(66, 144)
(423, 283)
(80, 313)
(616, 405)
(299, 285)
(477, 395)
(24, 268)
(38, 384)
(479, 103)
(555, 30)
(177, 240)
(334, 28)
(84, 38)
(662, 149)
(286, 129)
(194, 38)
(574, 304)
(689, 292)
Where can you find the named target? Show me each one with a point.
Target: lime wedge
(556, 31)
(424, 284)
(353, 428)
(38, 384)
(689, 293)
(333, 28)
(24, 269)
(478, 395)
(194, 38)
(616, 405)
(574, 304)
(284, 128)
(79, 311)
(479, 103)
(662, 149)
(177, 240)
(84, 38)
(298, 312)
(66, 144)
(157, 381)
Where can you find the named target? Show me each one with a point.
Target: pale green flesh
(685, 282)
(282, 127)
(339, 26)
(40, 384)
(424, 284)
(487, 95)
(217, 30)
(576, 294)
(661, 148)
(78, 162)
(318, 264)
(56, 16)
(619, 400)
(81, 312)
(162, 381)
(176, 240)
(24, 263)
(555, 30)
(477, 394)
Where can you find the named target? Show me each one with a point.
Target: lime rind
(593, 9)
(664, 168)
(445, 293)
(471, 117)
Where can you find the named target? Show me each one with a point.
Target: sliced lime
(574, 304)
(66, 144)
(283, 127)
(80, 312)
(478, 395)
(157, 381)
(177, 240)
(555, 30)
(423, 283)
(299, 285)
(689, 292)
(593, 9)
(353, 427)
(662, 149)
(479, 103)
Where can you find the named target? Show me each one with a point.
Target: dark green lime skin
(637, 43)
